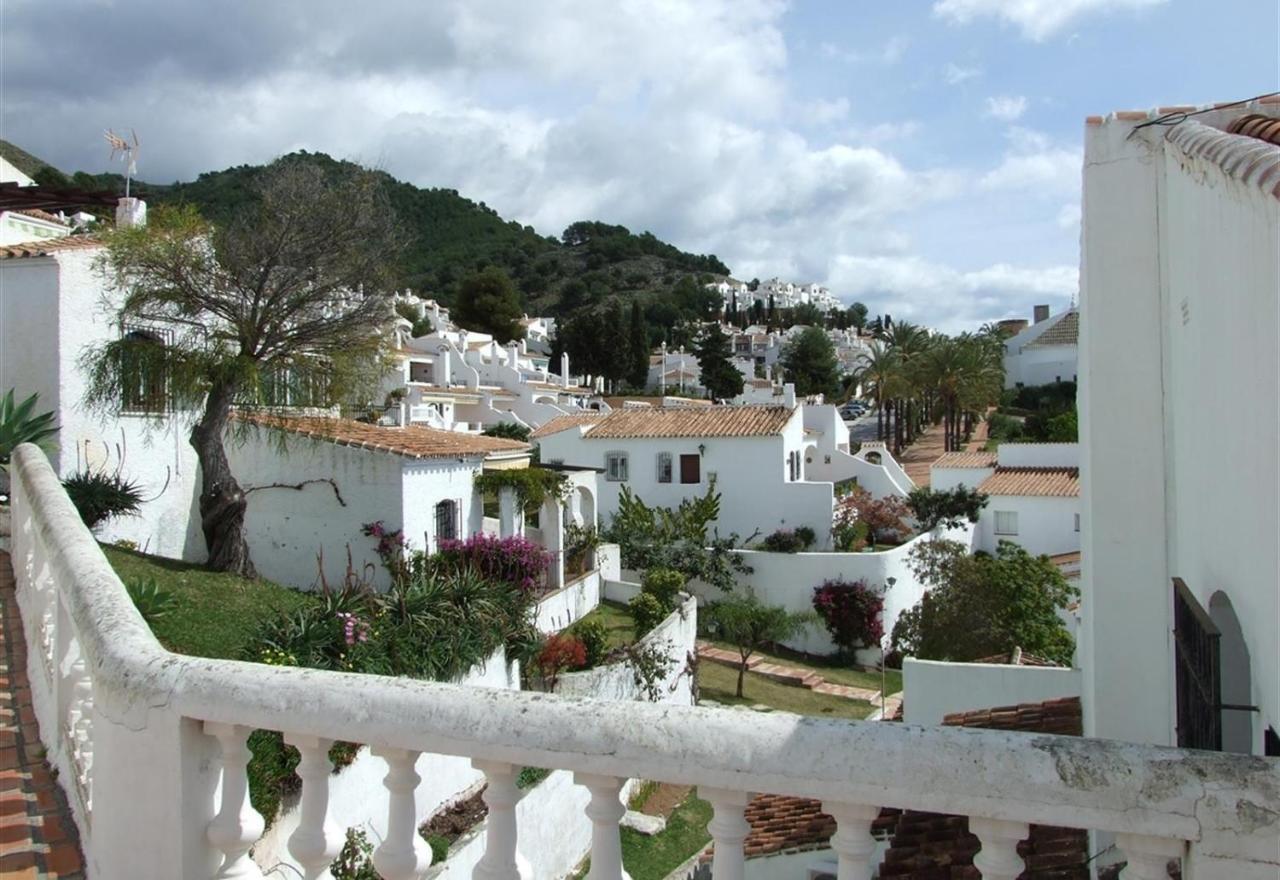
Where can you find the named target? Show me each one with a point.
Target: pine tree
(638, 348)
(719, 376)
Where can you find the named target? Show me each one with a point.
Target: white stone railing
(152, 746)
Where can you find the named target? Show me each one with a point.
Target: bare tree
(288, 304)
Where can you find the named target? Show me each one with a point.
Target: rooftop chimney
(131, 212)
(789, 395)
(1041, 313)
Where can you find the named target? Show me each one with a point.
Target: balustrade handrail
(1135, 789)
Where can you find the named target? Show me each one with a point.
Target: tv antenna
(127, 152)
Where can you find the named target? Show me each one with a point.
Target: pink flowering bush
(515, 560)
(391, 547)
(851, 612)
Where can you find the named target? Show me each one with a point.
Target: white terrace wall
(676, 635)
(788, 579)
(941, 479)
(357, 798)
(931, 689)
(1039, 454)
(560, 609)
(51, 309)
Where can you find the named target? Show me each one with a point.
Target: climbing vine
(531, 485)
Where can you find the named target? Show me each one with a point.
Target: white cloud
(1037, 19)
(889, 53)
(1070, 215)
(1006, 107)
(824, 111)
(954, 74)
(1035, 167)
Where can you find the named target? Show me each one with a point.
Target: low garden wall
(568, 604)
(788, 579)
(676, 636)
(357, 797)
(932, 689)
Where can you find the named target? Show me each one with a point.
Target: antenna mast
(128, 153)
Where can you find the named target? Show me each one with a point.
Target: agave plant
(99, 496)
(19, 424)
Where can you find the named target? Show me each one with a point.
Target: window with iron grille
(446, 520)
(615, 467)
(144, 376)
(664, 467)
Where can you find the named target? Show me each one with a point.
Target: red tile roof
(780, 823)
(1044, 481)
(1251, 161)
(966, 460)
(414, 441)
(1065, 331)
(565, 422)
(712, 421)
(49, 246)
(37, 214)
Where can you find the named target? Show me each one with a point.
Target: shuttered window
(690, 469)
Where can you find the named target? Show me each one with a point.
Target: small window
(615, 467)
(1006, 522)
(664, 467)
(447, 520)
(1077, 518)
(691, 468)
(143, 379)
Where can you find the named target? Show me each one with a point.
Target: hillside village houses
(1178, 644)
(786, 294)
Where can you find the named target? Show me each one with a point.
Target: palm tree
(909, 342)
(878, 372)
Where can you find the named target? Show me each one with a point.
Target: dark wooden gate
(1199, 674)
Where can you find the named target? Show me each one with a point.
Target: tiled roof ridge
(966, 460)
(565, 422)
(1062, 482)
(1247, 159)
(49, 246)
(414, 441)
(747, 420)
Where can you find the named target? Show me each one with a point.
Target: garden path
(792, 675)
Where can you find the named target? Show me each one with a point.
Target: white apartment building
(1033, 494)
(1179, 386)
(786, 294)
(1044, 352)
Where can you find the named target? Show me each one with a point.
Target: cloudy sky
(922, 156)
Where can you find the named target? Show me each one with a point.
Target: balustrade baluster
(604, 811)
(729, 830)
(316, 842)
(238, 825)
(502, 859)
(403, 854)
(852, 841)
(1148, 857)
(998, 859)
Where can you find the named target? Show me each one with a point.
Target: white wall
(357, 797)
(941, 479)
(932, 689)
(563, 607)
(51, 309)
(676, 636)
(788, 579)
(1178, 416)
(1041, 365)
(1065, 455)
(1046, 524)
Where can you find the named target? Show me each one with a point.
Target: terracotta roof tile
(565, 422)
(49, 246)
(1046, 481)
(966, 460)
(1065, 332)
(714, 421)
(41, 215)
(1250, 160)
(414, 441)
(1257, 125)
(780, 823)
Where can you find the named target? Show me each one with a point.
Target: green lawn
(719, 683)
(831, 669)
(216, 613)
(622, 629)
(653, 858)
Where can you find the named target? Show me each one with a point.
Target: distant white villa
(1045, 352)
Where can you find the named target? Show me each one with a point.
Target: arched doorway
(1236, 677)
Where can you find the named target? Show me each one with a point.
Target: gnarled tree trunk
(222, 501)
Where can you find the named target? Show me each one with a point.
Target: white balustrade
(237, 825)
(605, 810)
(317, 841)
(501, 859)
(852, 841)
(998, 859)
(114, 698)
(729, 829)
(403, 854)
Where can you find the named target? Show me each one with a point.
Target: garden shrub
(806, 535)
(663, 584)
(152, 601)
(514, 560)
(851, 612)
(950, 508)
(579, 543)
(99, 496)
(561, 652)
(594, 636)
(783, 541)
(647, 612)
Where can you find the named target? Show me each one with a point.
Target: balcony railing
(152, 747)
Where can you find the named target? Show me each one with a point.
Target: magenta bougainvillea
(851, 611)
(517, 561)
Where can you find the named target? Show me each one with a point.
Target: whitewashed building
(1033, 494)
(1045, 352)
(1179, 394)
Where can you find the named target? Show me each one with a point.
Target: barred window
(664, 467)
(615, 467)
(144, 379)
